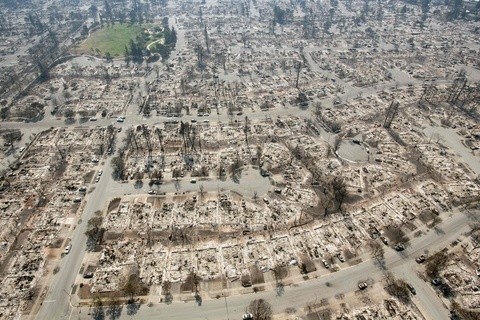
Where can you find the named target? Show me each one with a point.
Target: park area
(112, 40)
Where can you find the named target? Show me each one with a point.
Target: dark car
(412, 289)
(436, 282)
(399, 247)
(420, 259)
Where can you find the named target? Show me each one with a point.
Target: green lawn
(111, 39)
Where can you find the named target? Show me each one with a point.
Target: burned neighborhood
(253, 159)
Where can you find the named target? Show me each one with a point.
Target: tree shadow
(403, 254)
(132, 308)
(138, 184)
(438, 230)
(70, 121)
(198, 299)
(280, 289)
(168, 298)
(114, 311)
(237, 176)
(98, 313)
(380, 263)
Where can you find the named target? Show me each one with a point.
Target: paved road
(343, 281)
(56, 305)
(251, 181)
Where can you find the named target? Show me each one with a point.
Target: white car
(67, 249)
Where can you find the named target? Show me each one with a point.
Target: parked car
(412, 289)
(325, 264)
(362, 285)
(67, 249)
(420, 259)
(436, 282)
(384, 240)
(400, 247)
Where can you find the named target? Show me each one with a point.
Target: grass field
(111, 39)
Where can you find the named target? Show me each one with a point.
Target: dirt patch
(110, 236)
(213, 285)
(51, 253)
(280, 272)
(84, 292)
(206, 234)
(75, 207)
(20, 241)
(348, 254)
(426, 216)
(190, 284)
(395, 235)
(87, 178)
(256, 275)
(354, 262)
(410, 226)
(307, 265)
(246, 280)
(158, 203)
(57, 243)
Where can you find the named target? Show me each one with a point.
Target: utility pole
(226, 305)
